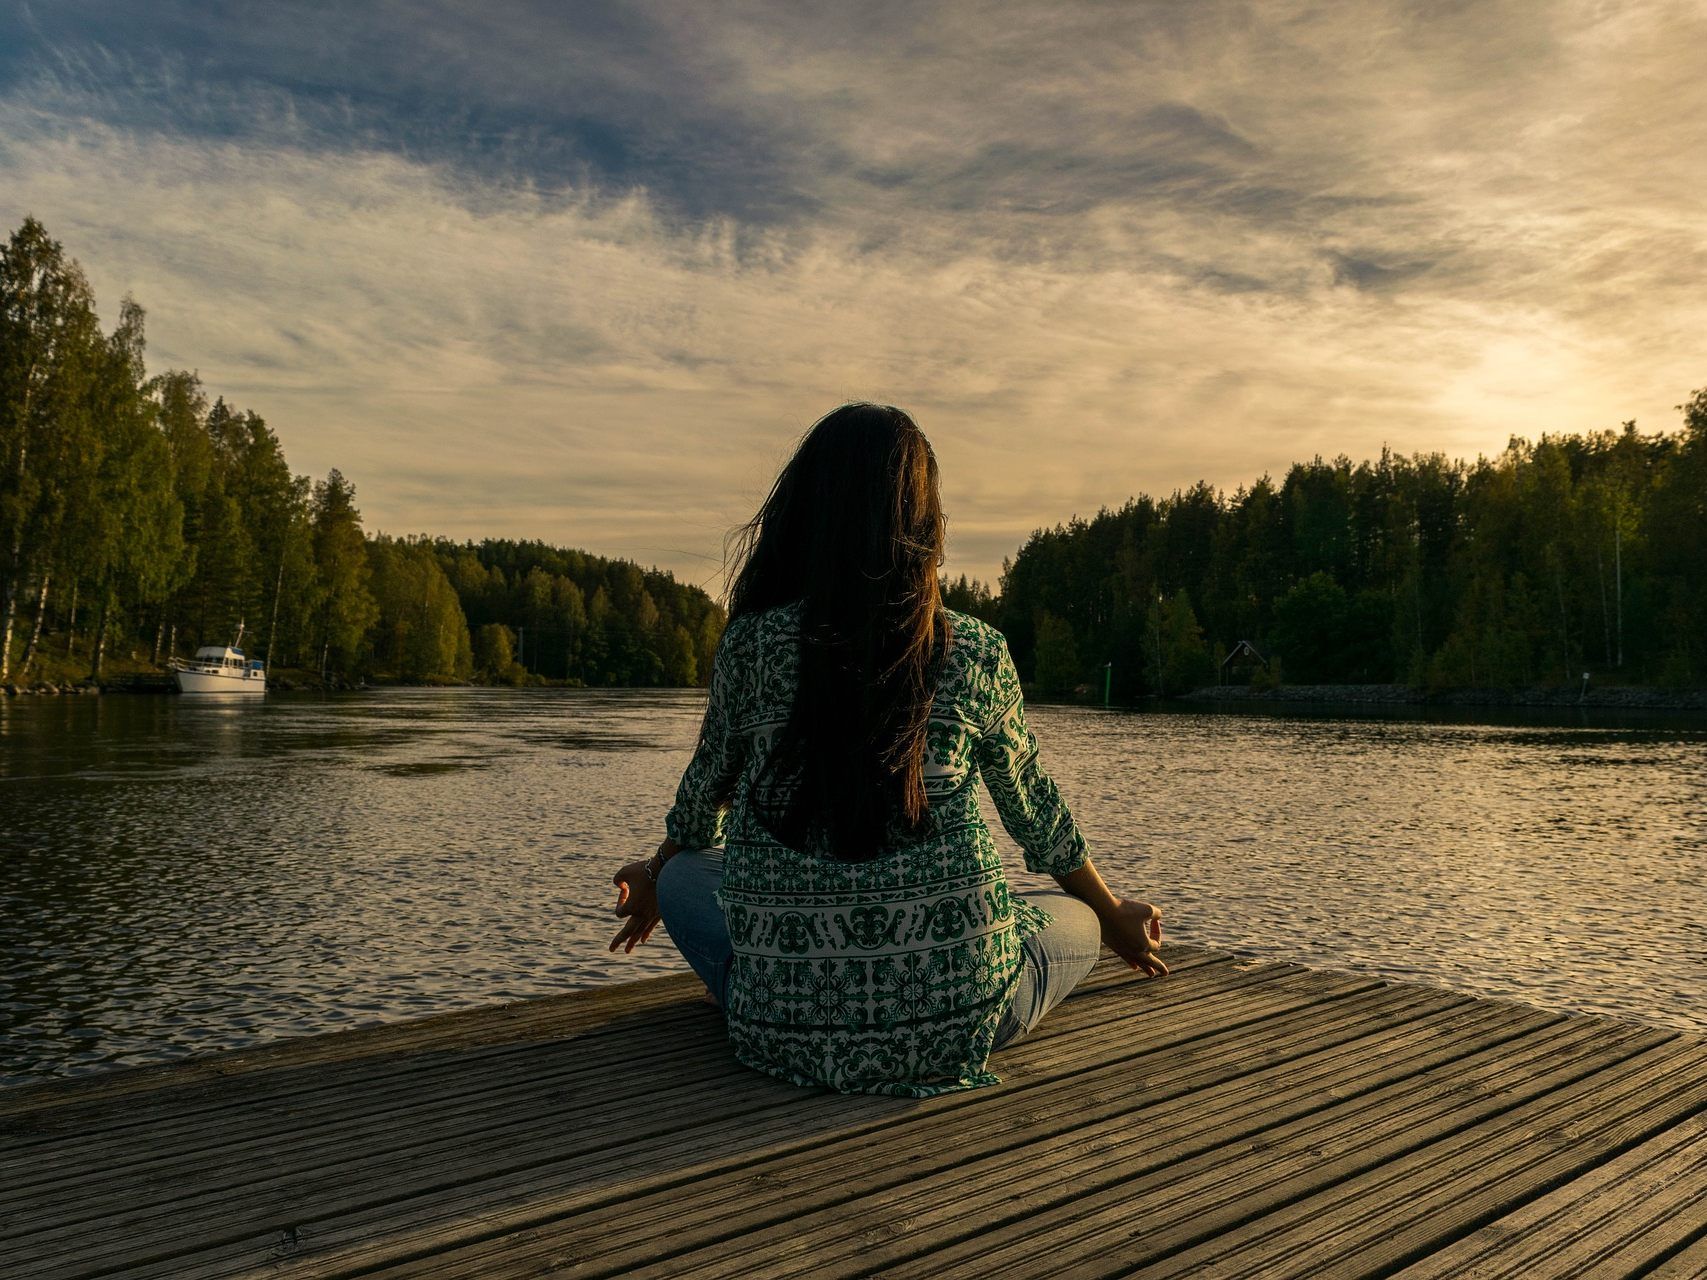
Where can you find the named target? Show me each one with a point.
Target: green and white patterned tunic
(888, 976)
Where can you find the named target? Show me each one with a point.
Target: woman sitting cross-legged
(827, 872)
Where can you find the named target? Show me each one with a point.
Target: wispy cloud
(585, 273)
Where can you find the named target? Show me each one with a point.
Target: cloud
(587, 279)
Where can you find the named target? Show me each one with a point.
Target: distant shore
(140, 679)
(1615, 697)
(1621, 697)
(137, 679)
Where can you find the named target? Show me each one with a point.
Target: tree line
(136, 516)
(1575, 554)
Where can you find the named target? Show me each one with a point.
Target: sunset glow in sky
(584, 272)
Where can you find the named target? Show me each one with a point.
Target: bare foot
(709, 998)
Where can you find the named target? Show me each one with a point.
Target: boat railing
(206, 668)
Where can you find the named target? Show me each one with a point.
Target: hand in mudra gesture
(636, 898)
(1133, 931)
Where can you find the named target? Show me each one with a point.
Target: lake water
(177, 877)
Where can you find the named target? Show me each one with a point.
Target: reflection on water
(177, 876)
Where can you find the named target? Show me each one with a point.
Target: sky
(586, 272)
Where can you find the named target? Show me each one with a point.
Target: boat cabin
(223, 658)
(220, 668)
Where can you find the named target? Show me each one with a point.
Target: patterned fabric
(888, 976)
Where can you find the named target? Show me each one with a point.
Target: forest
(1577, 555)
(139, 520)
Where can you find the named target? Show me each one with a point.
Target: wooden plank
(1296, 1056)
(56, 1189)
(497, 1026)
(1621, 1218)
(1292, 1122)
(966, 1203)
(1153, 1202)
(588, 1171)
(832, 1113)
(1688, 1263)
(223, 1082)
(155, 1220)
(832, 1108)
(1415, 1200)
(56, 1176)
(57, 1173)
(113, 1122)
(462, 1028)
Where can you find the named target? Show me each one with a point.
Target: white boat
(219, 668)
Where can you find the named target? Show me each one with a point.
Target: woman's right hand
(1133, 931)
(637, 898)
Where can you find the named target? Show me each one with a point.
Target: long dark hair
(853, 528)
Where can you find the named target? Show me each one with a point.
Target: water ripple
(177, 878)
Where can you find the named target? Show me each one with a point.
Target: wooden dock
(1236, 1118)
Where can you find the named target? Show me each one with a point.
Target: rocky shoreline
(47, 690)
(1621, 697)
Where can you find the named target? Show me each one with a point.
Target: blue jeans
(1055, 960)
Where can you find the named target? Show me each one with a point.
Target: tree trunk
(8, 616)
(71, 627)
(1618, 584)
(1417, 602)
(35, 632)
(273, 625)
(159, 636)
(1605, 616)
(100, 649)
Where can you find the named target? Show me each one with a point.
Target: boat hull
(237, 684)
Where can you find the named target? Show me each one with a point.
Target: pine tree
(50, 347)
(133, 538)
(346, 606)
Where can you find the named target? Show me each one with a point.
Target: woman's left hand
(636, 898)
(1133, 931)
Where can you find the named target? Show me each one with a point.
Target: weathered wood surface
(1236, 1118)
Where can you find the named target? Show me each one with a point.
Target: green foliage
(1572, 552)
(347, 608)
(1309, 622)
(1268, 676)
(1186, 662)
(132, 526)
(52, 361)
(968, 595)
(583, 619)
(1057, 669)
(133, 510)
(419, 634)
(136, 516)
(1176, 657)
(495, 654)
(681, 662)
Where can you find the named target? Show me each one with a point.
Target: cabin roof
(1244, 649)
